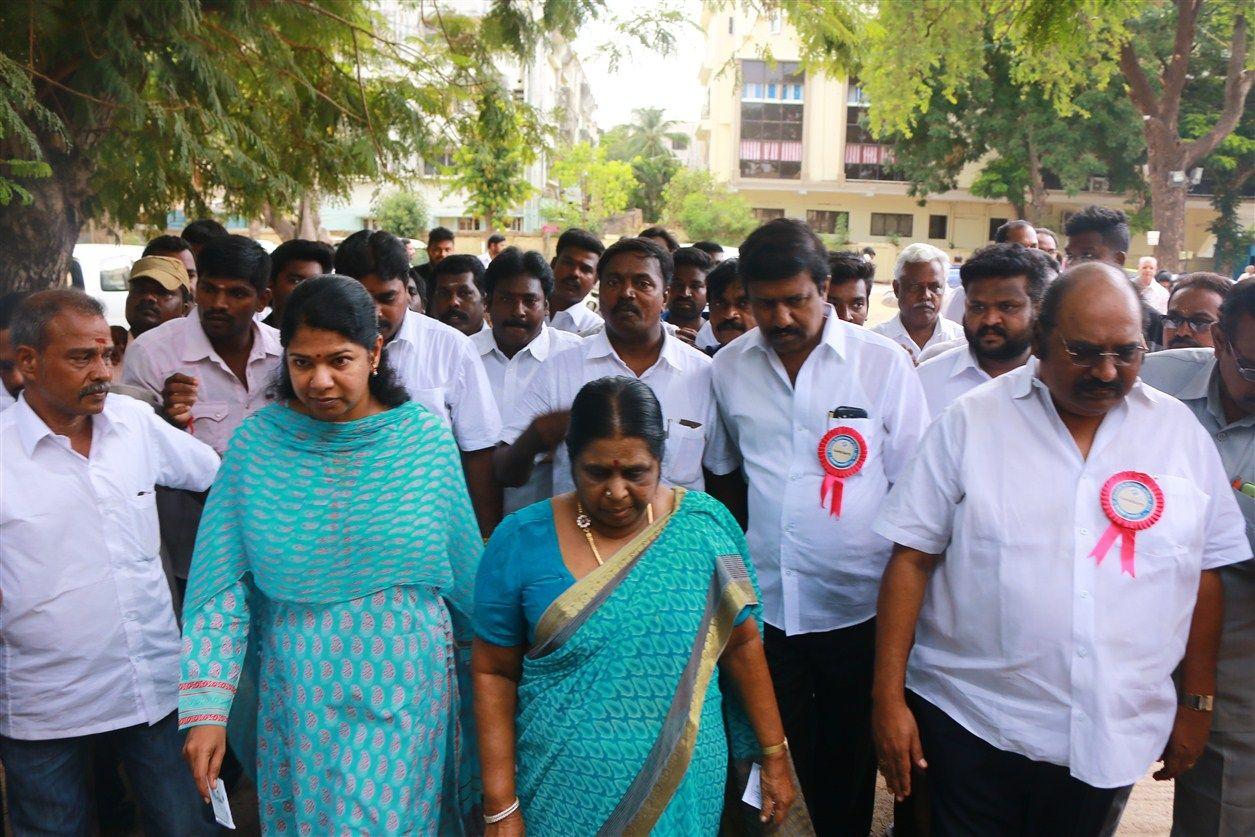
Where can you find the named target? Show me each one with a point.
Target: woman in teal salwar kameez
(330, 591)
(617, 651)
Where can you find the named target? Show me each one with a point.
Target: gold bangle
(777, 748)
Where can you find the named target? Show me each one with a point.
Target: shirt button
(131, 616)
(794, 477)
(1084, 531)
(1080, 652)
(1084, 594)
(799, 428)
(789, 528)
(1221, 436)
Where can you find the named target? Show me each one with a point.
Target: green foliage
(593, 188)
(645, 143)
(499, 141)
(706, 209)
(401, 213)
(1017, 139)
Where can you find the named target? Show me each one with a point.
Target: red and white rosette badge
(842, 453)
(1132, 501)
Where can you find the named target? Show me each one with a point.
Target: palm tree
(647, 136)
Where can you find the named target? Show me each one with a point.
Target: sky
(645, 78)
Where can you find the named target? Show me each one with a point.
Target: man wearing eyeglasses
(1044, 598)
(1218, 796)
(1193, 308)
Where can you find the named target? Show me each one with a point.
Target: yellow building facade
(790, 142)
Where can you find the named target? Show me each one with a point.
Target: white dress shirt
(818, 572)
(1156, 296)
(222, 401)
(948, 375)
(1024, 639)
(440, 369)
(509, 379)
(893, 329)
(6, 400)
(706, 339)
(88, 641)
(681, 380)
(577, 319)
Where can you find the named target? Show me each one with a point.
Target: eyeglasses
(1089, 356)
(1245, 368)
(1196, 324)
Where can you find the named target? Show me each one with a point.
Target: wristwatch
(1199, 703)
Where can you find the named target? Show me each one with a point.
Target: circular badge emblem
(1132, 500)
(842, 451)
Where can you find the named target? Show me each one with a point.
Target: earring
(374, 371)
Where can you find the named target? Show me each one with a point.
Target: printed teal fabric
(329, 609)
(590, 711)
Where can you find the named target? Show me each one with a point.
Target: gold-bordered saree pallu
(620, 726)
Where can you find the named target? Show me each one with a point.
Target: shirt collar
(408, 332)
(197, 346)
(1200, 381)
(965, 360)
(539, 348)
(671, 353)
(31, 429)
(1025, 380)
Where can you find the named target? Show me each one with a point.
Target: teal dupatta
(309, 511)
(616, 729)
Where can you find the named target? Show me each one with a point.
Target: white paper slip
(754, 788)
(222, 808)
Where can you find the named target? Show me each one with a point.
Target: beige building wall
(733, 36)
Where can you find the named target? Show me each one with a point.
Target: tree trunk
(39, 237)
(1038, 197)
(1164, 155)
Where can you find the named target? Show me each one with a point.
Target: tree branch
(1237, 85)
(1140, 93)
(1175, 76)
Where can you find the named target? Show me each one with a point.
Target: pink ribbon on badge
(842, 453)
(1132, 501)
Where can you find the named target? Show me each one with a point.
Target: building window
(865, 159)
(762, 215)
(776, 23)
(515, 224)
(436, 167)
(994, 224)
(937, 226)
(731, 25)
(890, 223)
(468, 224)
(771, 119)
(828, 221)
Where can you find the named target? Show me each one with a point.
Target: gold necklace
(585, 523)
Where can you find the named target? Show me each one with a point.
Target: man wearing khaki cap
(160, 291)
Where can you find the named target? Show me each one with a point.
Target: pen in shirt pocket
(1244, 488)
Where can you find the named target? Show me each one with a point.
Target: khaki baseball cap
(166, 271)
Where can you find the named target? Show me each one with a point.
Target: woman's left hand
(778, 791)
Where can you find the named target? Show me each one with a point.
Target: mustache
(783, 331)
(514, 324)
(924, 306)
(988, 330)
(93, 389)
(625, 306)
(1092, 386)
(1183, 342)
(731, 325)
(454, 314)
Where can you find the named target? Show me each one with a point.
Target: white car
(104, 271)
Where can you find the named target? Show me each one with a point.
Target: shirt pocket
(682, 460)
(143, 511)
(855, 487)
(433, 399)
(211, 423)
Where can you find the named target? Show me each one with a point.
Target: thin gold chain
(582, 518)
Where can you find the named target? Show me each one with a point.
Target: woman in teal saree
(608, 624)
(330, 589)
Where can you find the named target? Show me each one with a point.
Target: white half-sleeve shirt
(577, 319)
(950, 374)
(818, 572)
(88, 641)
(681, 380)
(1024, 638)
(944, 330)
(440, 369)
(509, 379)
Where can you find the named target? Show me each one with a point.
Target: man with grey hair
(89, 651)
(1155, 294)
(919, 280)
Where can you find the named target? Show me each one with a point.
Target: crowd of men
(1003, 540)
